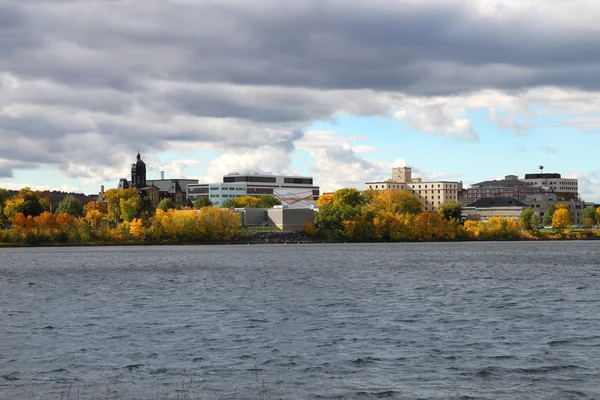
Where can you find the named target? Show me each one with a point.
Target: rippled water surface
(405, 321)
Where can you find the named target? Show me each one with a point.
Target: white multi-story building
(432, 193)
(292, 191)
(553, 183)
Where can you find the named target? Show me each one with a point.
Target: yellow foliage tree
(598, 216)
(247, 202)
(95, 219)
(397, 202)
(137, 229)
(95, 205)
(113, 199)
(561, 218)
(325, 199)
(12, 207)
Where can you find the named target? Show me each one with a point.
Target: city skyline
(341, 91)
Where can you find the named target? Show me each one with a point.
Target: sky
(341, 90)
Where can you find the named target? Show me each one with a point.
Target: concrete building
(285, 218)
(540, 203)
(292, 191)
(567, 188)
(432, 193)
(486, 208)
(509, 187)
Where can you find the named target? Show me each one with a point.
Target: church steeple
(138, 173)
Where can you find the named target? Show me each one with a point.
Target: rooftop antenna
(541, 167)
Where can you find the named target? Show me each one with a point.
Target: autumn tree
(129, 208)
(95, 205)
(137, 229)
(113, 199)
(246, 202)
(201, 202)
(450, 210)
(325, 199)
(167, 204)
(597, 215)
(70, 204)
(12, 207)
(561, 218)
(25, 201)
(268, 201)
(397, 202)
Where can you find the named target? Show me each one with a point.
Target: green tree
(45, 202)
(129, 208)
(450, 210)
(588, 217)
(146, 207)
(268, 201)
(229, 203)
(166, 204)
(548, 216)
(70, 204)
(201, 202)
(348, 196)
(329, 220)
(31, 202)
(4, 195)
(528, 220)
(3, 219)
(368, 195)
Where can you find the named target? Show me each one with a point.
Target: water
(404, 321)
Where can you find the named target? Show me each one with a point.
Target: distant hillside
(55, 196)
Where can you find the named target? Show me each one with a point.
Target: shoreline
(289, 237)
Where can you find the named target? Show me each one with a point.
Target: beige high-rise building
(432, 193)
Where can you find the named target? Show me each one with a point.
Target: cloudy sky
(341, 90)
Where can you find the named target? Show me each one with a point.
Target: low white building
(432, 193)
(486, 208)
(292, 191)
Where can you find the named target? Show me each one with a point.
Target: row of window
(569, 183)
(298, 181)
(256, 179)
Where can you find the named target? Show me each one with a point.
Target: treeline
(123, 217)
(398, 215)
(346, 215)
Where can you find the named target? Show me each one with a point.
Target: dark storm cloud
(413, 47)
(90, 80)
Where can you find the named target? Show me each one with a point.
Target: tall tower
(138, 173)
(402, 174)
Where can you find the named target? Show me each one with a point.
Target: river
(495, 320)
